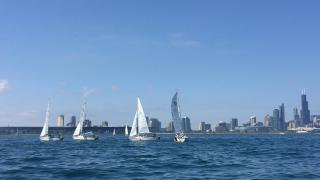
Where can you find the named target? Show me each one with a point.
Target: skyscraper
(282, 119)
(267, 121)
(73, 122)
(202, 126)
(170, 127)
(60, 121)
(87, 123)
(186, 124)
(154, 124)
(234, 123)
(304, 112)
(275, 119)
(295, 114)
(253, 120)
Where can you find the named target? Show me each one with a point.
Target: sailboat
(114, 131)
(126, 131)
(177, 120)
(140, 130)
(78, 133)
(45, 136)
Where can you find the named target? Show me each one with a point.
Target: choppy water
(204, 157)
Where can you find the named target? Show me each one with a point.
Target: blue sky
(227, 58)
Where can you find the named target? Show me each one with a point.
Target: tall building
(304, 112)
(87, 123)
(275, 119)
(316, 120)
(170, 127)
(202, 126)
(73, 122)
(60, 121)
(267, 121)
(154, 124)
(253, 121)
(293, 124)
(207, 127)
(104, 124)
(222, 127)
(186, 124)
(234, 123)
(282, 119)
(296, 114)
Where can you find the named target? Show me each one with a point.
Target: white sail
(45, 129)
(134, 127)
(126, 131)
(142, 121)
(114, 131)
(79, 128)
(176, 116)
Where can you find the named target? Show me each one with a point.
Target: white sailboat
(126, 131)
(45, 136)
(114, 131)
(140, 130)
(78, 133)
(177, 120)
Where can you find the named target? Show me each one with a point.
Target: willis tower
(304, 112)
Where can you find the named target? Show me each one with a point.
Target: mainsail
(176, 116)
(134, 128)
(45, 129)
(140, 124)
(78, 130)
(142, 121)
(126, 131)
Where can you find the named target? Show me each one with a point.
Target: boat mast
(137, 127)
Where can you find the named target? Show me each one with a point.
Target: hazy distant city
(301, 121)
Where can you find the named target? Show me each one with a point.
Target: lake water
(203, 157)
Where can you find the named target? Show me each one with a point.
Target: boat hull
(302, 132)
(144, 138)
(180, 139)
(83, 137)
(48, 138)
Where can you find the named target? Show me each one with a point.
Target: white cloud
(4, 85)
(21, 118)
(88, 92)
(185, 43)
(114, 88)
(179, 40)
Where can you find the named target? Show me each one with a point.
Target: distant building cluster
(275, 121)
(186, 125)
(154, 124)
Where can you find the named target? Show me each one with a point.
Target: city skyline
(228, 60)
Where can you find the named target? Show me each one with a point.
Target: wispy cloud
(88, 92)
(4, 85)
(114, 88)
(181, 41)
(21, 117)
(27, 114)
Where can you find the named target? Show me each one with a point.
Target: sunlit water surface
(203, 157)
